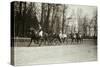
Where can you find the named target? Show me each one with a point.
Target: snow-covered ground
(55, 54)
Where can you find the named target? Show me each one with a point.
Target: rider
(60, 34)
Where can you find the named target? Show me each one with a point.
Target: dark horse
(34, 37)
(39, 37)
(73, 37)
(76, 37)
(53, 37)
(79, 37)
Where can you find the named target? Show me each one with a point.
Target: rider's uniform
(41, 33)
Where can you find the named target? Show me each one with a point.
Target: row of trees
(51, 17)
(25, 17)
(86, 25)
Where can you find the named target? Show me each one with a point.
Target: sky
(84, 9)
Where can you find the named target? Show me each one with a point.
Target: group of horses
(40, 37)
(76, 37)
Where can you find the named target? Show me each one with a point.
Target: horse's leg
(66, 41)
(39, 40)
(63, 40)
(72, 41)
(80, 40)
(44, 40)
(59, 39)
(30, 42)
(48, 40)
(77, 40)
(35, 41)
(52, 40)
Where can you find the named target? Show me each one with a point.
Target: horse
(39, 36)
(63, 37)
(76, 37)
(54, 37)
(73, 37)
(41, 39)
(44, 37)
(34, 36)
(79, 38)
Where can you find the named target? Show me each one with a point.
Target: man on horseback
(80, 37)
(63, 36)
(36, 35)
(73, 37)
(33, 35)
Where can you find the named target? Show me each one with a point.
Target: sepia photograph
(48, 33)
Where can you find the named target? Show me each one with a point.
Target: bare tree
(63, 23)
(65, 7)
(85, 26)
